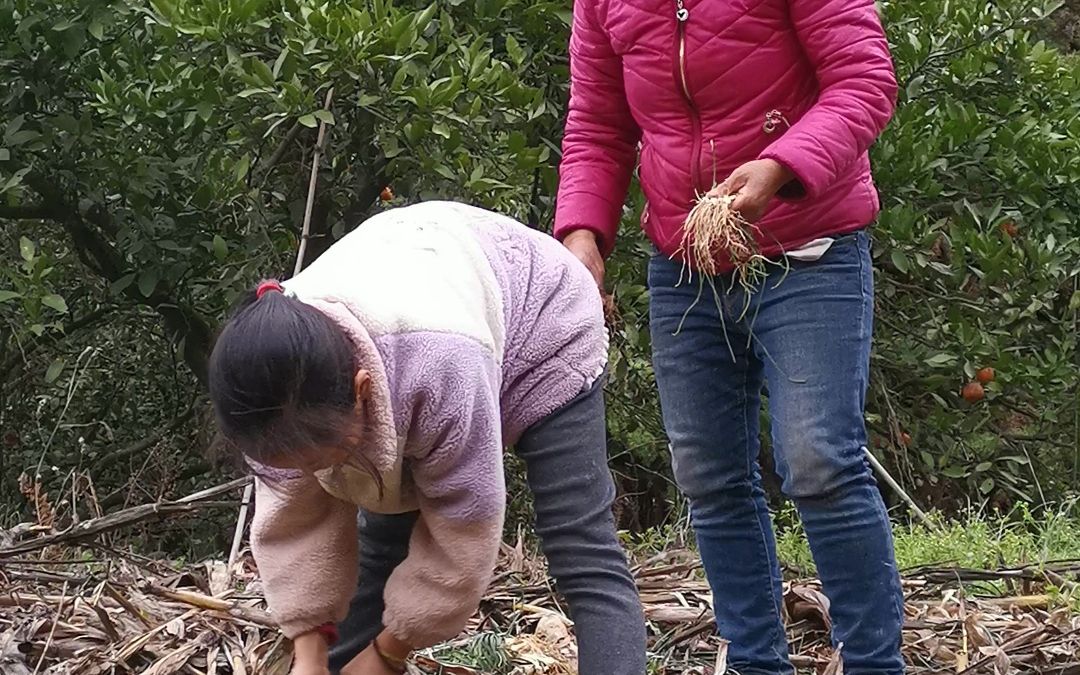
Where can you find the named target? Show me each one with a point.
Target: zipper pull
(773, 118)
(682, 14)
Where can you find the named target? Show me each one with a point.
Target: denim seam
(750, 472)
(898, 592)
(862, 292)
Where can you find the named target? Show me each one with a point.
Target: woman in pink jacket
(777, 101)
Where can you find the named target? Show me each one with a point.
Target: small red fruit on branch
(387, 194)
(973, 392)
(985, 375)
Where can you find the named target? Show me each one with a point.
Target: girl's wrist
(311, 647)
(393, 652)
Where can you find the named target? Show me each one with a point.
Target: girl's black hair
(281, 379)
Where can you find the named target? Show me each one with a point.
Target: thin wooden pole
(891, 482)
(305, 234)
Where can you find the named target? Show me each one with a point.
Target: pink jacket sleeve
(600, 141)
(846, 45)
(457, 469)
(304, 542)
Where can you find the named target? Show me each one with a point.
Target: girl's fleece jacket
(473, 327)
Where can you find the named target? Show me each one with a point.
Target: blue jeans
(806, 338)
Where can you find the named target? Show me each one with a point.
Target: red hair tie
(266, 287)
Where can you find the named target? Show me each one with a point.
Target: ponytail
(281, 377)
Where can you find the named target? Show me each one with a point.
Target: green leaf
(166, 9)
(21, 137)
(401, 26)
(148, 280)
(514, 50)
(900, 261)
(914, 87)
(324, 116)
(27, 249)
(96, 29)
(308, 121)
(205, 109)
(121, 284)
(55, 302)
(14, 180)
(987, 486)
(399, 79)
(425, 17)
(279, 63)
(955, 472)
(242, 167)
(7, 296)
(54, 371)
(14, 125)
(221, 249)
(263, 72)
(940, 360)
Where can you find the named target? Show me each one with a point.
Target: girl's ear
(362, 387)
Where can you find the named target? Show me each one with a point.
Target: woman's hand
(754, 185)
(368, 662)
(310, 655)
(582, 243)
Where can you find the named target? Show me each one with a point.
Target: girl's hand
(754, 184)
(368, 662)
(310, 655)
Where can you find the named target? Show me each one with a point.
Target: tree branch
(265, 167)
(73, 326)
(933, 57)
(145, 443)
(182, 322)
(89, 529)
(28, 212)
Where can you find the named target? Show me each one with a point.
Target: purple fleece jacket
(474, 327)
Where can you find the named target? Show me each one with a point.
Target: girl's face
(310, 460)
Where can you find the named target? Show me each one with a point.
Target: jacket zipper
(682, 16)
(773, 120)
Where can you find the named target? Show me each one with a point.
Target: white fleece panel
(416, 268)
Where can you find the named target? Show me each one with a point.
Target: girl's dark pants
(565, 457)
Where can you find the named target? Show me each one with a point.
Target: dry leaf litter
(68, 606)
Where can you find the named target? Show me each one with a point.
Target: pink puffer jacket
(707, 85)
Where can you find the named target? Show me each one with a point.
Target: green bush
(155, 159)
(979, 255)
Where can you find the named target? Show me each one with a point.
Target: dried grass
(63, 616)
